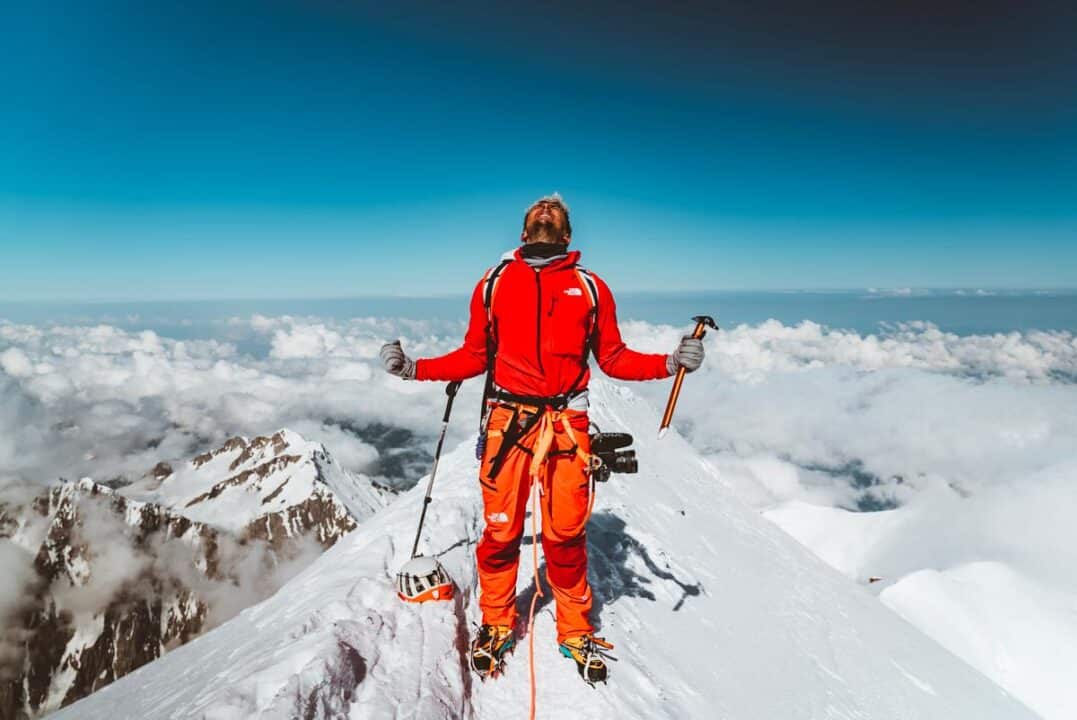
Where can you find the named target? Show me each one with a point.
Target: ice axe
(702, 323)
(422, 578)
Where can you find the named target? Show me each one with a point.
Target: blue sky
(313, 149)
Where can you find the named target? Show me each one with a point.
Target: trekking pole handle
(450, 390)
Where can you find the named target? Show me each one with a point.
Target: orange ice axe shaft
(702, 323)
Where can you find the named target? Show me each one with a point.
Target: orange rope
(538, 467)
(538, 592)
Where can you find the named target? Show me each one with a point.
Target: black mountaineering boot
(590, 655)
(489, 648)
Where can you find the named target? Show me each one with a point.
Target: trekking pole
(702, 323)
(450, 390)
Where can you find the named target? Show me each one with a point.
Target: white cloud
(111, 560)
(753, 352)
(789, 411)
(896, 292)
(805, 392)
(17, 566)
(17, 569)
(101, 401)
(974, 436)
(15, 363)
(306, 341)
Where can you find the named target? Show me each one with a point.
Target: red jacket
(541, 325)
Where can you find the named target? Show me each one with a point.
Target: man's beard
(544, 231)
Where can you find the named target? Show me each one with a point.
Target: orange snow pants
(565, 499)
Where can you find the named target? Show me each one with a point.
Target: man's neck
(543, 262)
(540, 254)
(537, 249)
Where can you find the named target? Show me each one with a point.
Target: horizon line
(906, 291)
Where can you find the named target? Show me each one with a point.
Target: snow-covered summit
(715, 613)
(121, 576)
(269, 485)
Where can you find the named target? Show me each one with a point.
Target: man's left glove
(396, 362)
(689, 355)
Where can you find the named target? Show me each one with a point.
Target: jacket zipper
(538, 316)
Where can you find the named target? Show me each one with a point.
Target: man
(534, 321)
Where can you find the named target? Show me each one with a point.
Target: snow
(841, 538)
(714, 611)
(88, 627)
(1032, 647)
(246, 479)
(1009, 625)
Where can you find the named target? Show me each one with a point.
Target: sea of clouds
(974, 436)
(909, 401)
(103, 402)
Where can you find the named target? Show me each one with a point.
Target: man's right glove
(396, 362)
(688, 355)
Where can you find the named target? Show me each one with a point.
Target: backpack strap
(489, 286)
(489, 289)
(590, 289)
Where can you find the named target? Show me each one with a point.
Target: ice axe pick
(702, 323)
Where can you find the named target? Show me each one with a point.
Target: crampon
(590, 654)
(489, 648)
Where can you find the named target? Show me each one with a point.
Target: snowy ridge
(244, 481)
(1022, 636)
(1003, 622)
(715, 612)
(124, 575)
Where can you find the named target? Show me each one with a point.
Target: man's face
(545, 222)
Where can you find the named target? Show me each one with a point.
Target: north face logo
(497, 517)
(573, 291)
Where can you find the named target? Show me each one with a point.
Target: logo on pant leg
(497, 517)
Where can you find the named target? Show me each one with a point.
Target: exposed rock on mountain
(122, 576)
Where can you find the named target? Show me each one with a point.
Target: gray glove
(688, 355)
(396, 362)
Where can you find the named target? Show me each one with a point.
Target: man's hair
(554, 199)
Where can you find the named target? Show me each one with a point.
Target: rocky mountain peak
(124, 575)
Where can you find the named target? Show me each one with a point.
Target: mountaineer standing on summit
(535, 319)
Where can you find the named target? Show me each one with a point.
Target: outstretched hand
(688, 355)
(396, 362)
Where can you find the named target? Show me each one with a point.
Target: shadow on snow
(619, 565)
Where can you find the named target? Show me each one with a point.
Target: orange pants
(565, 502)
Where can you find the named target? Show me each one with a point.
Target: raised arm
(614, 357)
(469, 359)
